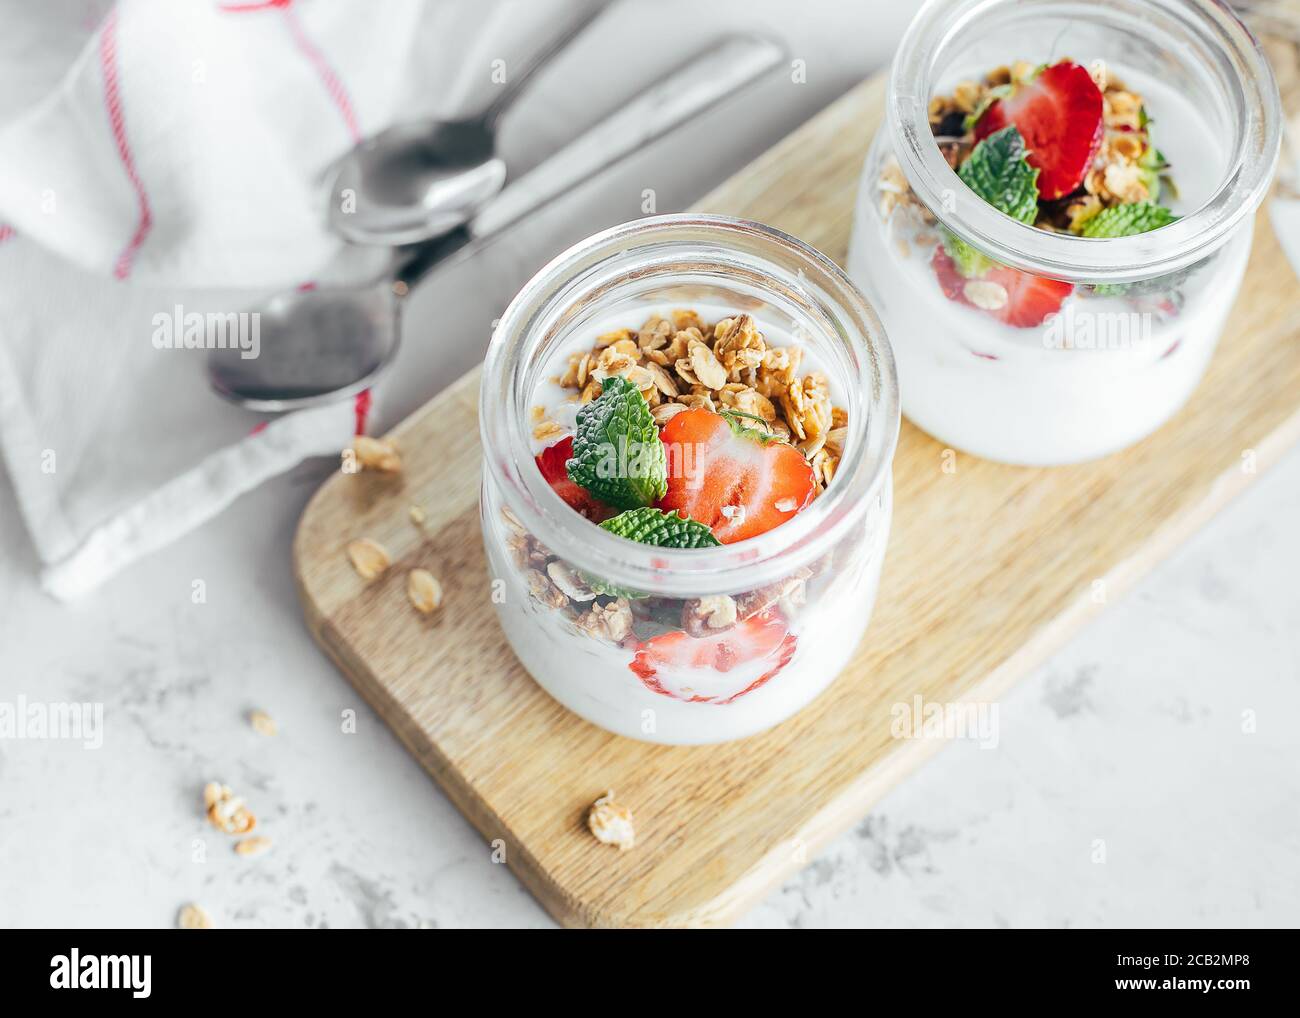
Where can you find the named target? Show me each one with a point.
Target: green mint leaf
(664, 530)
(740, 425)
(617, 455)
(1127, 220)
(999, 172)
(970, 262)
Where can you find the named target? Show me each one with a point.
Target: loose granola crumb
(249, 847)
(424, 591)
(226, 811)
(418, 516)
(193, 917)
(262, 723)
(547, 430)
(376, 454)
(369, 558)
(611, 823)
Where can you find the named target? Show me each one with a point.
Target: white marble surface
(1131, 736)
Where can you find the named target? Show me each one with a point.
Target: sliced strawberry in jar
(1029, 299)
(1059, 114)
(551, 463)
(731, 477)
(718, 668)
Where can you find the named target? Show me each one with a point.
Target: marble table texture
(1148, 774)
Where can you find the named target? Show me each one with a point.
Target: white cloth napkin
(174, 160)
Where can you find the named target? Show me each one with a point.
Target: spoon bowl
(414, 181)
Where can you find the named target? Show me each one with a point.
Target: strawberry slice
(718, 668)
(551, 463)
(1059, 114)
(730, 477)
(1030, 298)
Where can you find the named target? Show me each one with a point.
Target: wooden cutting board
(990, 568)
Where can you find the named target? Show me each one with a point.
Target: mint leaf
(739, 421)
(617, 455)
(1127, 220)
(999, 172)
(664, 530)
(970, 262)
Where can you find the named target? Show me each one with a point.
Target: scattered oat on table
(369, 558)
(262, 723)
(226, 811)
(193, 917)
(424, 590)
(249, 847)
(611, 823)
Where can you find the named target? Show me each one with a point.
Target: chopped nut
(193, 917)
(252, 846)
(424, 591)
(569, 582)
(226, 811)
(985, 294)
(612, 621)
(543, 590)
(611, 823)
(262, 723)
(369, 558)
(716, 611)
(376, 454)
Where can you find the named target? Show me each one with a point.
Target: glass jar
(645, 657)
(1138, 316)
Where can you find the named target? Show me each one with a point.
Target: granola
(681, 361)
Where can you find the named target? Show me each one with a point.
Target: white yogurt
(1094, 379)
(596, 678)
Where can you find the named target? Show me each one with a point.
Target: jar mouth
(789, 273)
(1229, 62)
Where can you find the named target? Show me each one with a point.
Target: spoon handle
(674, 99)
(536, 61)
(685, 92)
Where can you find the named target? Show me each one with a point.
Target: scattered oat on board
(611, 823)
(376, 454)
(424, 591)
(369, 558)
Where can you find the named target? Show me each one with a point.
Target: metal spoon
(321, 345)
(424, 178)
